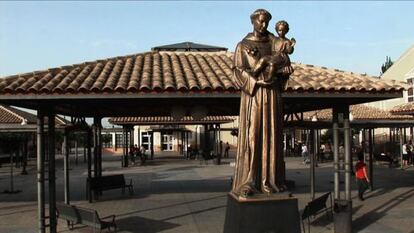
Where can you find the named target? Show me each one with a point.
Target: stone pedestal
(276, 213)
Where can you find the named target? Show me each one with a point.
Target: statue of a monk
(259, 162)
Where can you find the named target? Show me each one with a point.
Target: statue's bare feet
(266, 189)
(246, 191)
(276, 188)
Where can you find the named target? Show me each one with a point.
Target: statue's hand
(262, 83)
(293, 41)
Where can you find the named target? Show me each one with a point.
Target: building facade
(172, 137)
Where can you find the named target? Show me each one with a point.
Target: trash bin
(342, 216)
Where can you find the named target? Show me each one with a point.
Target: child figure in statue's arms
(281, 48)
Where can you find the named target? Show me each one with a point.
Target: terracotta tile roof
(10, 115)
(359, 112)
(169, 120)
(177, 71)
(403, 109)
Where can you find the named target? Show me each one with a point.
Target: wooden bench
(315, 207)
(69, 213)
(102, 183)
(206, 158)
(384, 158)
(77, 215)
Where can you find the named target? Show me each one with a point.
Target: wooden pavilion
(362, 117)
(155, 83)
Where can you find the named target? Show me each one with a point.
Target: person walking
(410, 153)
(361, 177)
(322, 153)
(405, 157)
(143, 155)
(226, 150)
(305, 154)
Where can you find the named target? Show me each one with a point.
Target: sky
(352, 36)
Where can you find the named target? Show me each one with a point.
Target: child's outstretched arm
(258, 67)
(289, 45)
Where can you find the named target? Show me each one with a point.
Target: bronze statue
(262, 67)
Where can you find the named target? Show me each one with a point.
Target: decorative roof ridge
(24, 120)
(196, 52)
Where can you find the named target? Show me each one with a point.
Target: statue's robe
(259, 161)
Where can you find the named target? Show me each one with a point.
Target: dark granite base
(276, 213)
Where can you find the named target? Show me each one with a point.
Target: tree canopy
(388, 63)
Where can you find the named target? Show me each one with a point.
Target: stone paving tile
(176, 195)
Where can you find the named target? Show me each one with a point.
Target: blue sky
(352, 36)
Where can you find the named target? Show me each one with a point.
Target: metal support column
(95, 147)
(40, 172)
(84, 153)
(401, 151)
(99, 145)
(313, 163)
(347, 147)
(370, 162)
(196, 138)
(66, 166)
(76, 151)
(335, 150)
(125, 146)
(343, 207)
(405, 135)
(206, 140)
(89, 145)
(52, 175)
(25, 155)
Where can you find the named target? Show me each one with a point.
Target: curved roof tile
(359, 112)
(169, 120)
(178, 71)
(403, 109)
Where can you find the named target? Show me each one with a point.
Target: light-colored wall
(157, 141)
(398, 71)
(401, 66)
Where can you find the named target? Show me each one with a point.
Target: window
(167, 141)
(146, 140)
(410, 90)
(119, 140)
(107, 140)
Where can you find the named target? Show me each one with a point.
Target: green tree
(388, 63)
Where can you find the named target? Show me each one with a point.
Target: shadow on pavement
(139, 224)
(380, 211)
(173, 205)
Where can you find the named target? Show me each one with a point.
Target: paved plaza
(177, 195)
